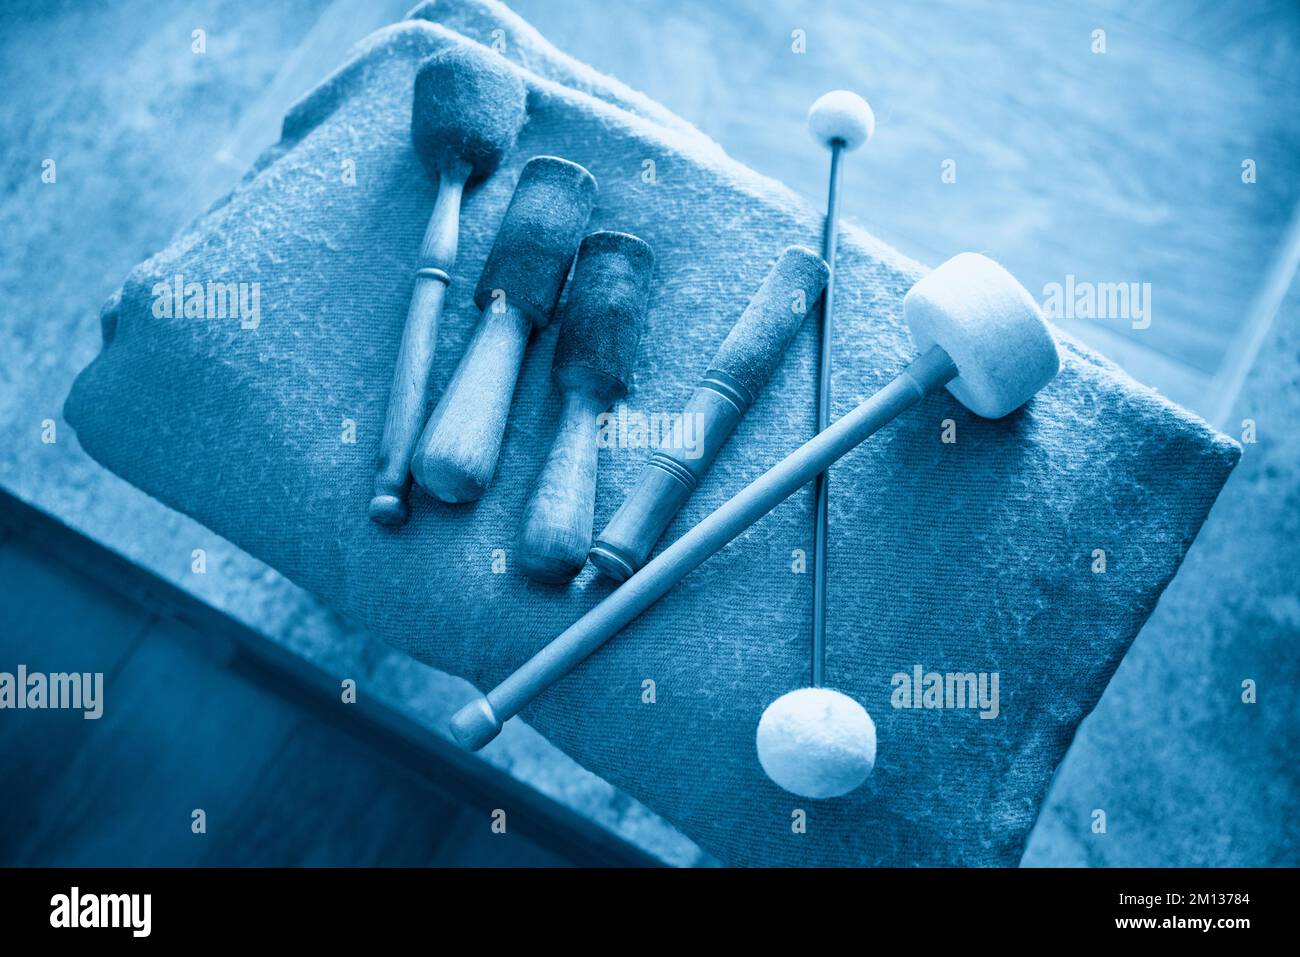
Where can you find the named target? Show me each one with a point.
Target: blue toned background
(1115, 167)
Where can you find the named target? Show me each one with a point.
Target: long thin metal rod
(480, 720)
(821, 491)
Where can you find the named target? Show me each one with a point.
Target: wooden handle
(671, 475)
(556, 530)
(408, 398)
(457, 454)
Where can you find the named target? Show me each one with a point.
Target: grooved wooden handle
(671, 475)
(457, 454)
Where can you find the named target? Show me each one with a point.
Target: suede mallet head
(604, 315)
(757, 342)
(540, 232)
(468, 107)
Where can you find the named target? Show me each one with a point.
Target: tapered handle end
(474, 725)
(451, 474)
(556, 530)
(550, 555)
(387, 509)
(457, 454)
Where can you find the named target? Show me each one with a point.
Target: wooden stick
(556, 531)
(671, 475)
(458, 452)
(480, 721)
(408, 398)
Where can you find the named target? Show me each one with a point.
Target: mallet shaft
(458, 451)
(556, 531)
(480, 721)
(408, 397)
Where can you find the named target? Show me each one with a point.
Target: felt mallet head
(841, 115)
(990, 327)
(468, 107)
(816, 743)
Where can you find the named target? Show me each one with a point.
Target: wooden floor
(186, 725)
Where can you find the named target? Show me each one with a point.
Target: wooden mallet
(467, 110)
(979, 332)
(519, 289)
(744, 362)
(603, 317)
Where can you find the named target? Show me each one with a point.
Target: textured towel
(978, 556)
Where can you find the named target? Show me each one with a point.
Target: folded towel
(978, 556)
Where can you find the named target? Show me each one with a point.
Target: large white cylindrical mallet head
(841, 115)
(816, 743)
(990, 327)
